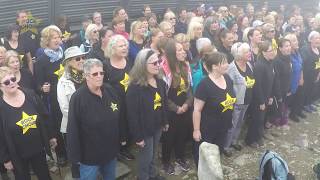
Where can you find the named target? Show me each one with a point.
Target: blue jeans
(107, 170)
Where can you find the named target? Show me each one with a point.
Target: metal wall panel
(135, 6)
(9, 8)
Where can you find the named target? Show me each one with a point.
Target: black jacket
(97, 53)
(310, 70)
(264, 74)
(283, 69)
(227, 52)
(143, 120)
(8, 152)
(93, 137)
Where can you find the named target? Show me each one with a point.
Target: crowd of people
(162, 79)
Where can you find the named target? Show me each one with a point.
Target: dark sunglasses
(8, 81)
(79, 58)
(172, 18)
(97, 73)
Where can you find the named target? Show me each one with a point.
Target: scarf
(76, 76)
(54, 55)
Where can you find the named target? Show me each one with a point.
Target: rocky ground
(299, 145)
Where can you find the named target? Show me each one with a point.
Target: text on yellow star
(156, 101)
(59, 72)
(228, 103)
(27, 122)
(125, 81)
(250, 82)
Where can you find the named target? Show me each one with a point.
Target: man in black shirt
(93, 135)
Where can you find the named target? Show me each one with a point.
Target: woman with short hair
(195, 30)
(25, 135)
(91, 36)
(147, 111)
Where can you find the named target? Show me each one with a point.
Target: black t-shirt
(250, 81)
(23, 126)
(178, 94)
(216, 114)
(21, 50)
(27, 80)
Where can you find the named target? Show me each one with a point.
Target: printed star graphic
(21, 57)
(66, 34)
(32, 24)
(27, 122)
(125, 81)
(317, 64)
(59, 72)
(156, 101)
(250, 82)
(228, 103)
(114, 106)
(182, 87)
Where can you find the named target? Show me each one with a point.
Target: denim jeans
(107, 170)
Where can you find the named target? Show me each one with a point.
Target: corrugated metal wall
(75, 9)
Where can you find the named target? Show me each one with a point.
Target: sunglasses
(97, 73)
(8, 81)
(172, 18)
(79, 59)
(156, 63)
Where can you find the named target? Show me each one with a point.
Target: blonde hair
(168, 15)
(109, 51)
(89, 30)
(164, 24)
(180, 38)
(3, 49)
(9, 55)
(47, 34)
(197, 19)
(191, 28)
(135, 25)
(4, 71)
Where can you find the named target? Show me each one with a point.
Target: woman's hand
(46, 87)
(53, 143)
(8, 166)
(141, 144)
(197, 135)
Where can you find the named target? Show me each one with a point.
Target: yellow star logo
(27, 122)
(125, 81)
(114, 106)
(32, 24)
(66, 34)
(21, 57)
(317, 64)
(59, 72)
(228, 103)
(156, 101)
(182, 87)
(250, 82)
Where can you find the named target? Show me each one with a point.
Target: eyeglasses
(79, 59)
(8, 81)
(156, 63)
(97, 73)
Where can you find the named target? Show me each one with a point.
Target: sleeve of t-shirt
(201, 92)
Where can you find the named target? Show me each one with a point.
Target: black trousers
(2, 169)
(256, 125)
(296, 102)
(176, 137)
(310, 89)
(39, 165)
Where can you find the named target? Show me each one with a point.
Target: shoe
(307, 109)
(294, 118)
(302, 115)
(268, 137)
(183, 164)
(254, 145)
(237, 147)
(125, 154)
(227, 152)
(168, 168)
(158, 177)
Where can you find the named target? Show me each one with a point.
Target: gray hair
(312, 35)
(238, 48)
(202, 42)
(89, 63)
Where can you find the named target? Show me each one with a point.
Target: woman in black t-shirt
(117, 69)
(13, 42)
(24, 129)
(24, 76)
(213, 103)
